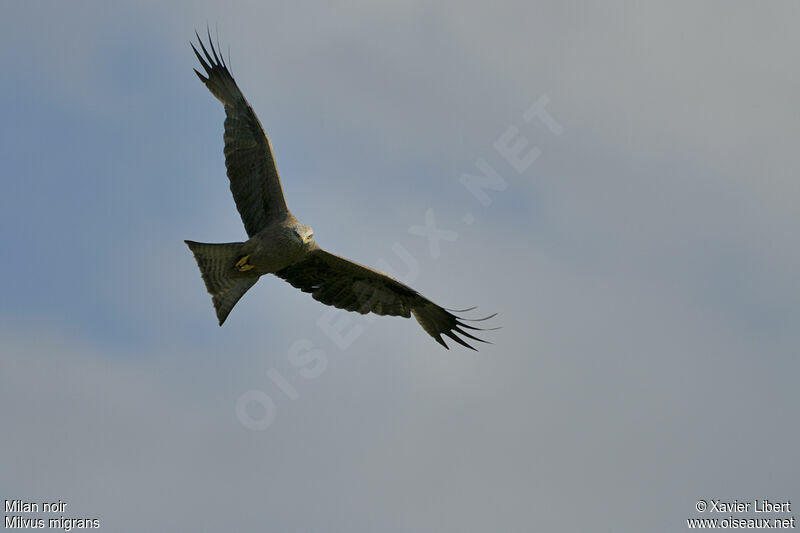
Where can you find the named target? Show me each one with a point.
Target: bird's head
(305, 233)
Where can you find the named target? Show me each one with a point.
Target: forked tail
(224, 283)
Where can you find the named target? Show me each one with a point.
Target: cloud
(644, 266)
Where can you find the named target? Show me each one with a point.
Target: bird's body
(280, 244)
(277, 246)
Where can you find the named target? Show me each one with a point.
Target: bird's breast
(273, 249)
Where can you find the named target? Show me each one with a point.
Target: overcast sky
(639, 241)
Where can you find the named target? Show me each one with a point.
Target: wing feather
(249, 158)
(344, 284)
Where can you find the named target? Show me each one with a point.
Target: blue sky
(644, 265)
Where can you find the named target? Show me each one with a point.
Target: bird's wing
(342, 283)
(255, 183)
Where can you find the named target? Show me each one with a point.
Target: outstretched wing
(341, 283)
(255, 183)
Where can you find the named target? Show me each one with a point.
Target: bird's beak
(306, 239)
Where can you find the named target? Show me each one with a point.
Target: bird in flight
(281, 245)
